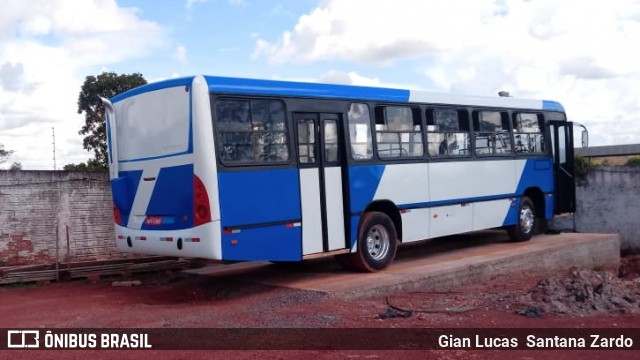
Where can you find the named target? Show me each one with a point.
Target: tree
(4, 154)
(106, 85)
(16, 166)
(91, 165)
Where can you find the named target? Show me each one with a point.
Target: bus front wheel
(524, 229)
(377, 242)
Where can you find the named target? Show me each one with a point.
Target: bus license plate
(153, 220)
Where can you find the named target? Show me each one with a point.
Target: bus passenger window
(448, 132)
(398, 132)
(528, 133)
(360, 132)
(492, 133)
(251, 131)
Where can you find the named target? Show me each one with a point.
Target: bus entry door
(321, 181)
(564, 174)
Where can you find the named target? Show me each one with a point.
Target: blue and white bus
(237, 169)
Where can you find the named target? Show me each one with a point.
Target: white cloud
(180, 54)
(190, 3)
(581, 53)
(47, 47)
(350, 78)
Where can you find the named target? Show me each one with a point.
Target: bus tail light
(201, 208)
(116, 216)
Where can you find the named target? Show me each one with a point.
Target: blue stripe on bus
(537, 173)
(259, 196)
(187, 152)
(124, 188)
(454, 201)
(552, 105)
(363, 183)
(285, 88)
(511, 218)
(172, 198)
(185, 81)
(276, 243)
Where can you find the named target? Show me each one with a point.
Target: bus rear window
(153, 124)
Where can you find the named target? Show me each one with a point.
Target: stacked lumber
(89, 269)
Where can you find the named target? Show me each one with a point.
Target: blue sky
(582, 53)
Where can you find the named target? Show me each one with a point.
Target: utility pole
(53, 132)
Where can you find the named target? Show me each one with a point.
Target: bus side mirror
(585, 138)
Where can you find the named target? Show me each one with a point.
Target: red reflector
(195, 240)
(234, 242)
(116, 216)
(227, 231)
(201, 208)
(404, 211)
(142, 238)
(120, 237)
(463, 204)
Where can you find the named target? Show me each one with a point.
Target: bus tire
(524, 229)
(377, 242)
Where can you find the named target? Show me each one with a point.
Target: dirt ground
(576, 299)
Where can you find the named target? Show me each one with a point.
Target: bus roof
(228, 85)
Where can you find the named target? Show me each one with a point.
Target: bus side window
(528, 133)
(306, 141)
(331, 154)
(251, 131)
(398, 132)
(360, 131)
(448, 132)
(492, 133)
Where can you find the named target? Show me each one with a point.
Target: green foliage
(633, 161)
(581, 166)
(4, 154)
(106, 85)
(91, 165)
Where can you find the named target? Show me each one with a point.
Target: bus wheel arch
(376, 244)
(379, 232)
(537, 197)
(526, 221)
(391, 210)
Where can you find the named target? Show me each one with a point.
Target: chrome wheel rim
(527, 219)
(378, 242)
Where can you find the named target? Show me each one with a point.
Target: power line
(53, 130)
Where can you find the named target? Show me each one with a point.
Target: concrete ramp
(440, 264)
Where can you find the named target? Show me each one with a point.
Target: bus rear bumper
(199, 242)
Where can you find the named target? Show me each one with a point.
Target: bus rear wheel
(524, 229)
(377, 243)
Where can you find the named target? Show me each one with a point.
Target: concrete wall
(34, 205)
(608, 201)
